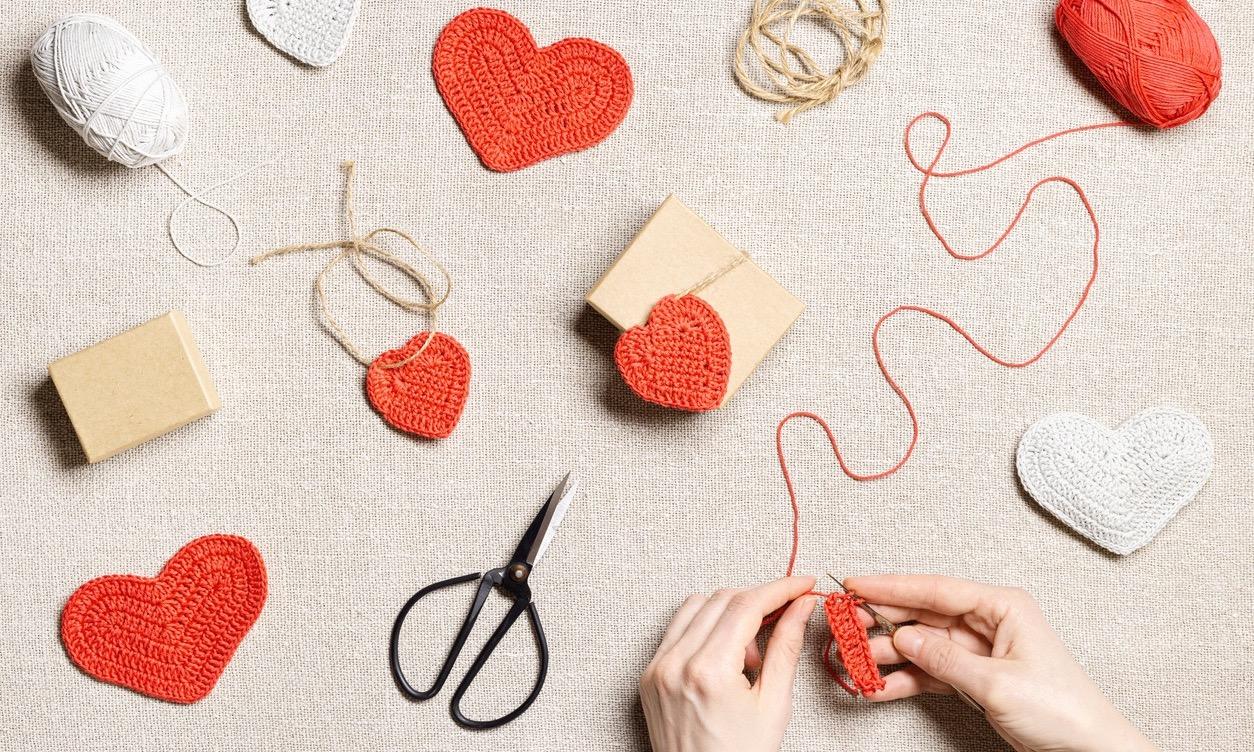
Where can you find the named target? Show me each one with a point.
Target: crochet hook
(890, 626)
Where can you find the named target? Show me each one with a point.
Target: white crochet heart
(312, 31)
(1117, 488)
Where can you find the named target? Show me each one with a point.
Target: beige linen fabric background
(352, 517)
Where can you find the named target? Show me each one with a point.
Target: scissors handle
(394, 645)
(514, 612)
(522, 602)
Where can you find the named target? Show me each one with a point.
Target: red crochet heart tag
(171, 636)
(519, 105)
(426, 395)
(680, 358)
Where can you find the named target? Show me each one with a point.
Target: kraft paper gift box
(135, 386)
(676, 250)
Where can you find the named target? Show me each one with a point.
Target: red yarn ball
(1158, 58)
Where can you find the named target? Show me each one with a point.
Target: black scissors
(511, 578)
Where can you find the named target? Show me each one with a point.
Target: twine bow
(354, 248)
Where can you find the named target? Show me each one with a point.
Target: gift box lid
(135, 386)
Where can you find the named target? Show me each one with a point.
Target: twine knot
(355, 248)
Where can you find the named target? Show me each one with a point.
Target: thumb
(783, 650)
(944, 659)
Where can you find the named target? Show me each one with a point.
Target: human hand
(695, 694)
(994, 644)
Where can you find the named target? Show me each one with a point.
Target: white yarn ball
(111, 89)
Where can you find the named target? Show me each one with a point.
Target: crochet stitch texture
(519, 105)
(426, 395)
(853, 644)
(1117, 488)
(680, 357)
(171, 636)
(314, 32)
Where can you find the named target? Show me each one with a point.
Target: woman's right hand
(994, 644)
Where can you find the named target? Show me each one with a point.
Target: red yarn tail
(930, 172)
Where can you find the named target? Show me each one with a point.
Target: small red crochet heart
(171, 636)
(426, 395)
(680, 357)
(519, 105)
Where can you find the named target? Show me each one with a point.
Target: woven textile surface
(352, 517)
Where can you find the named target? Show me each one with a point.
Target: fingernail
(909, 641)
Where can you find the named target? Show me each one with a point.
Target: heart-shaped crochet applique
(680, 358)
(1116, 488)
(171, 636)
(426, 395)
(519, 105)
(314, 32)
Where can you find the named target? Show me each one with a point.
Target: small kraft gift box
(135, 386)
(697, 314)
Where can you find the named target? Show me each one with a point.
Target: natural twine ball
(859, 30)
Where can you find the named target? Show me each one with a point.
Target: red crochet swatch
(171, 636)
(519, 105)
(853, 644)
(426, 395)
(680, 357)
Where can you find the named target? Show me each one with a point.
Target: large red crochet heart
(171, 636)
(680, 358)
(518, 104)
(426, 395)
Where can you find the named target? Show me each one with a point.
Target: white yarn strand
(111, 89)
(199, 198)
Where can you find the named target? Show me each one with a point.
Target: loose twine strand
(355, 248)
(861, 34)
(716, 275)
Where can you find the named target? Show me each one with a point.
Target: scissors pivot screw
(518, 573)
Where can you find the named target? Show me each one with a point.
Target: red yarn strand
(930, 172)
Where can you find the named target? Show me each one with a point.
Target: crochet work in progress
(314, 32)
(679, 358)
(171, 636)
(847, 633)
(425, 395)
(853, 644)
(1117, 488)
(519, 105)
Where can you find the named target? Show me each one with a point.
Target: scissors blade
(545, 524)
